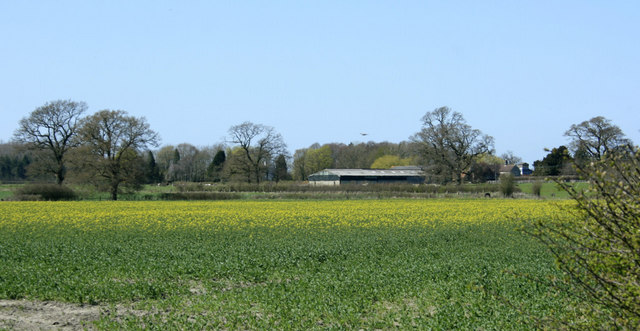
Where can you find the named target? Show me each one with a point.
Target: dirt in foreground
(51, 315)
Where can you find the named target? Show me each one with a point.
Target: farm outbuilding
(510, 169)
(524, 169)
(407, 175)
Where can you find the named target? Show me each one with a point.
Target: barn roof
(371, 172)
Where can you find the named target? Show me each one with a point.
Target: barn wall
(381, 180)
(324, 182)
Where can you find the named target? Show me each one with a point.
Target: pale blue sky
(324, 71)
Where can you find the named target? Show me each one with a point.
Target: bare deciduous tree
(50, 129)
(300, 164)
(510, 158)
(260, 144)
(449, 145)
(596, 137)
(111, 141)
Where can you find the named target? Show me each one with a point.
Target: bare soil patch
(46, 315)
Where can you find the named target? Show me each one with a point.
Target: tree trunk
(114, 190)
(60, 173)
(59, 177)
(258, 174)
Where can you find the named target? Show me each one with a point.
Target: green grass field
(6, 190)
(551, 190)
(434, 264)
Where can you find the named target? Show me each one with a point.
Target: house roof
(508, 168)
(371, 172)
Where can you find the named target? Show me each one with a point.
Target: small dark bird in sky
(364, 134)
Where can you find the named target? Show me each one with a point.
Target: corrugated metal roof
(406, 168)
(370, 172)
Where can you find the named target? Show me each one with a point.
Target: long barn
(409, 175)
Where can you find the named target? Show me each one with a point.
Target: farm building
(524, 169)
(520, 169)
(410, 175)
(510, 169)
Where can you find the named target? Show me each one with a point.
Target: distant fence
(529, 179)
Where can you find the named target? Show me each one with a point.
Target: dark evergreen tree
(214, 171)
(5, 167)
(152, 171)
(13, 167)
(21, 167)
(554, 163)
(176, 156)
(280, 171)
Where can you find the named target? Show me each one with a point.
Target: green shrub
(598, 244)
(536, 188)
(297, 187)
(507, 185)
(44, 191)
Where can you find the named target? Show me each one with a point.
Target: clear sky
(325, 71)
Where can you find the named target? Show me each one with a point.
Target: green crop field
(367, 264)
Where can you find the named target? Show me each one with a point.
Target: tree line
(113, 150)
